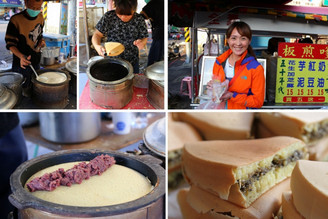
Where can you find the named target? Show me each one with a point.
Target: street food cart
(275, 21)
(111, 82)
(58, 60)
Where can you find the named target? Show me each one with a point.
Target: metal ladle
(37, 76)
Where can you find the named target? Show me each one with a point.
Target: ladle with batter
(37, 76)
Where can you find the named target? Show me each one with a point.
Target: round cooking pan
(146, 165)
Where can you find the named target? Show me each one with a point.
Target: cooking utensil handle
(151, 159)
(19, 201)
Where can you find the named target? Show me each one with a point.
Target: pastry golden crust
(310, 189)
(178, 134)
(219, 126)
(203, 204)
(319, 150)
(288, 209)
(240, 171)
(189, 213)
(306, 126)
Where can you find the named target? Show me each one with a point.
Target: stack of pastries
(240, 164)
(238, 178)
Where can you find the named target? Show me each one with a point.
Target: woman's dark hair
(273, 44)
(244, 30)
(125, 7)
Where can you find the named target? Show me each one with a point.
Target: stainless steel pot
(155, 93)
(27, 118)
(150, 206)
(71, 66)
(50, 95)
(8, 98)
(110, 82)
(70, 127)
(49, 55)
(13, 81)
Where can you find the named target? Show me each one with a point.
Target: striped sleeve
(12, 34)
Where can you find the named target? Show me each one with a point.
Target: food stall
(140, 147)
(265, 20)
(54, 84)
(109, 82)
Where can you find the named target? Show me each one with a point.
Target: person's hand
(41, 44)
(209, 85)
(25, 61)
(226, 96)
(139, 43)
(100, 50)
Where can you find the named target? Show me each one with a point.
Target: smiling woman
(239, 65)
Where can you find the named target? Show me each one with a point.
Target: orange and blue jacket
(249, 86)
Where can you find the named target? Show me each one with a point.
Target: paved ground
(4, 53)
(177, 70)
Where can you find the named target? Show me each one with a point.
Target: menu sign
(302, 73)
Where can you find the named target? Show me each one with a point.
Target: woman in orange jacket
(239, 65)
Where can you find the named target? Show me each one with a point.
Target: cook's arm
(140, 43)
(96, 42)
(24, 61)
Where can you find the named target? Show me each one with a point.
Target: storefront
(289, 22)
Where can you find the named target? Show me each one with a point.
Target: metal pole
(193, 58)
(71, 31)
(86, 32)
(187, 43)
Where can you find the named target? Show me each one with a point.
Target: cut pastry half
(306, 126)
(309, 185)
(241, 171)
(197, 203)
(219, 126)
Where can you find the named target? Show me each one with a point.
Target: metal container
(110, 82)
(50, 95)
(155, 93)
(13, 81)
(49, 55)
(150, 206)
(154, 140)
(154, 137)
(71, 66)
(28, 119)
(155, 71)
(8, 98)
(70, 127)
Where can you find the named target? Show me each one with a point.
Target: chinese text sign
(302, 73)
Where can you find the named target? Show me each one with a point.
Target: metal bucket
(110, 82)
(69, 127)
(13, 81)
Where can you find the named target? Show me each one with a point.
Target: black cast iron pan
(146, 165)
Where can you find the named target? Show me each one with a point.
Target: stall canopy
(182, 12)
(10, 3)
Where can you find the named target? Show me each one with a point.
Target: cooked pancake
(116, 185)
(197, 203)
(288, 209)
(309, 185)
(309, 127)
(52, 77)
(240, 171)
(178, 134)
(219, 126)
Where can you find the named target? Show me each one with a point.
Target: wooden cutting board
(114, 48)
